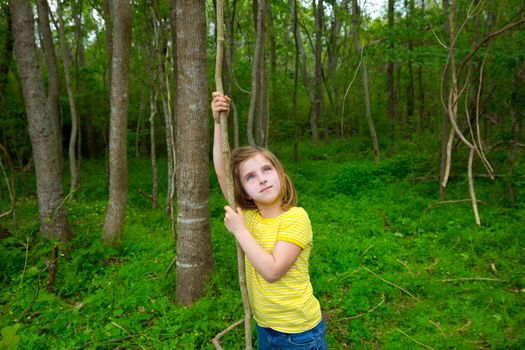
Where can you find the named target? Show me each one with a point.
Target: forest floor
(392, 267)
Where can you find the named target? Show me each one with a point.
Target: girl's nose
(262, 180)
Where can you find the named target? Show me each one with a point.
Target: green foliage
(389, 265)
(10, 339)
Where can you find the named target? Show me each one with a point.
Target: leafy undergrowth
(392, 268)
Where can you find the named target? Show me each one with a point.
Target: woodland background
(401, 130)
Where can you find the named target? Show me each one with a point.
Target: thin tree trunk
(304, 67)
(42, 126)
(421, 88)
(118, 167)
(273, 54)
(6, 55)
(150, 47)
(471, 188)
(228, 62)
(409, 8)
(162, 54)
(319, 97)
(138, 130)
(333, 59)
(194, 256)
(445, 124)
(512, 156)
(295, 86)
(370, 121)
(74, 162)
(255, 72)
(391, 109)
(421, 95)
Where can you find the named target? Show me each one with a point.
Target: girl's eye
(268, 168)
(249, 177)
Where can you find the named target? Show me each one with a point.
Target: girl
(276, 237)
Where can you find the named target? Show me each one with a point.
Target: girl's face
(260, 180)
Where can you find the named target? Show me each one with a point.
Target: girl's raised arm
(220, 103)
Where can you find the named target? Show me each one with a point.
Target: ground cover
(392, 269)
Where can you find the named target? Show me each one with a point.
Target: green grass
(390, 271)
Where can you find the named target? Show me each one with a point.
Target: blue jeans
(313, 339)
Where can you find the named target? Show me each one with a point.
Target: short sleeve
(296, 228)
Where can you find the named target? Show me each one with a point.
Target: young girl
(276, 237)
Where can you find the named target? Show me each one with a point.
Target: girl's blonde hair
(287, 192)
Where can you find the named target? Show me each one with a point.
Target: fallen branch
(362, 313)
(146, 195)
(435, 204)
(170, 266)
(392, 284)
(472, 279)
(414, 340)
(216, 340)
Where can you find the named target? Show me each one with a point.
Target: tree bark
(43, 131)
(391, 109)
(153, 88)
(162, 55)
(445, 124)
(53, 88)
(228, 63)
(295, 85)
(319, 97)
(409, 9)
(421, 94)
(6, 54)
(194, 256)
(119, 99)
(74, 162)
(254, 111)
(304, 69)
(370, 121)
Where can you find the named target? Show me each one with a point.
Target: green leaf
(10, 340)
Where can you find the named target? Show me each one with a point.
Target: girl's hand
(220, 103)
(234, 220)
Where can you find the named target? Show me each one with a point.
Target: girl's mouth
(264, 189)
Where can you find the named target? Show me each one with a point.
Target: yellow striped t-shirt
(287, 305)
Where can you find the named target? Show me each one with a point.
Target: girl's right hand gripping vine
(220, 103)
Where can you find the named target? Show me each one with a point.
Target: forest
(399, 123)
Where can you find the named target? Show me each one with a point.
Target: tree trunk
(409, 9)
(119, 99)
(295, 86)
(391, 109)
(318, 105)
(421, 94)
(194, 256)
(304, 70)
(84, 106)
(153, 92)
(258, 54)
(42, 125)
(74, 162)
(445, 125)
(6, 54)
(370, 121)
(162, 54)
(228, 63)
(273, 55)
(333, 59)
(53, 89)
